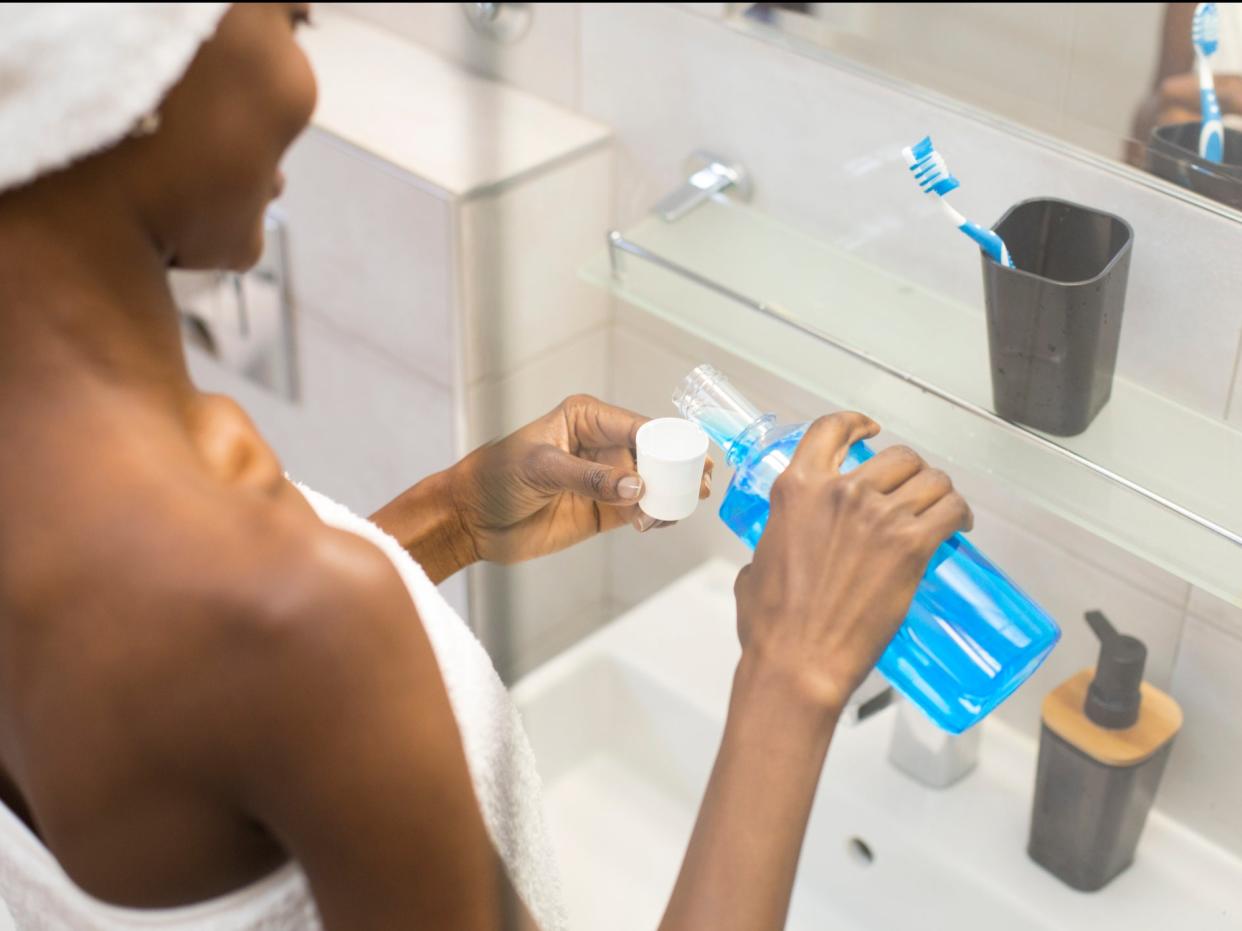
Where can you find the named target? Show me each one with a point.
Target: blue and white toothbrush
(929, 170)
(1205, 36)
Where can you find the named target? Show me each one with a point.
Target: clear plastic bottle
(971, 636)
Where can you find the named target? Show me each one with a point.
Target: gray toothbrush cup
(1054, 321)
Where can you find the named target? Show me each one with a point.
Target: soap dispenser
(1105, 739)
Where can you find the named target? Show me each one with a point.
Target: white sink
(626, 726)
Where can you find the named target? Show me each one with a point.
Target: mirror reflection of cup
(671, 454)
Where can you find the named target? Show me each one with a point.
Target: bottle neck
(706, 397)
(753, 436)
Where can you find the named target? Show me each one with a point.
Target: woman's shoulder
(210, 609)
(265, 582)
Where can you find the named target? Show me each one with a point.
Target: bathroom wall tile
(498, 406)
(524, 613)
(1082, 545)
(544, 61)
(520, 252)
(371, 251)
(1113, 60)
(1027, 75)
(782, 116)
(1215, 611)
(1201, 786)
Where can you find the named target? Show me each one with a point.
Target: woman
(202, 681)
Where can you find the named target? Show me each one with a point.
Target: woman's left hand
(555, 482)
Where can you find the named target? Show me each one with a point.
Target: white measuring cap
(671, 452)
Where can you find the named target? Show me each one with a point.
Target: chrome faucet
(928, 754)
(919, 748)
(709, 174)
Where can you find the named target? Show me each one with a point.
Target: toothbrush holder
(1173, 154)
(1054, 320)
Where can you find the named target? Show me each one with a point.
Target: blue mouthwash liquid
(971, 636)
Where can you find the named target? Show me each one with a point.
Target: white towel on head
(77, 77)
(502, 770)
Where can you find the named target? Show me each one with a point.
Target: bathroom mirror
(1117, 81)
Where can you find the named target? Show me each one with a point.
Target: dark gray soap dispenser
(1105, 739)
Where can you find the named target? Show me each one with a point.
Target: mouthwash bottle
(971, 636)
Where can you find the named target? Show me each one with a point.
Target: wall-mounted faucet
(709, 174)
(870, 698)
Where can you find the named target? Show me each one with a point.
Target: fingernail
(630, 487)
(643, 522)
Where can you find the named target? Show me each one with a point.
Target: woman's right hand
(840, 559)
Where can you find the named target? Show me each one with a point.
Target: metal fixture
(617, 243)
(870, 698)
(709, 174)
(928, 754)
(245, 321)
(500, 22)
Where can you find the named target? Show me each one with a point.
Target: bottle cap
(671, 452)
(1113, 699)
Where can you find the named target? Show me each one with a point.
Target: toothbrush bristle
(929, 168)
(1205, 28)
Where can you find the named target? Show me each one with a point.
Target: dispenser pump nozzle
(1113, 699)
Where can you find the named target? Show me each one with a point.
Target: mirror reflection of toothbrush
(932, 175)
(1205, 36)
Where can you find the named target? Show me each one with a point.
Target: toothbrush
(1205, 36)
(932, 175)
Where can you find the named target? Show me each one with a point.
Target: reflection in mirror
(1119, 80)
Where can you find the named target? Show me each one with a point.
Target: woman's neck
(84, 299)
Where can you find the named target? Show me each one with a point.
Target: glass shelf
(1152, 476)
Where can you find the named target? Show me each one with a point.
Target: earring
(147, 125)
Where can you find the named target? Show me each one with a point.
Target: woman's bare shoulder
(270, 592)
(200, 620)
